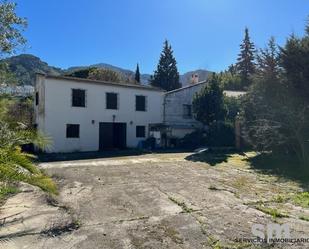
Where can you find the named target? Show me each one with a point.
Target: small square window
(140, 103)
(36, 98)
(112, 101)
(140, 131)
(78, 98)
(72, 130)
(187, 111)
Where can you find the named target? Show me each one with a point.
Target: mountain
(25, 66)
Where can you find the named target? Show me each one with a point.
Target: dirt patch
(161, 201)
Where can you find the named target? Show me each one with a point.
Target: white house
(178, 119)
(88, 115)
(177, 110)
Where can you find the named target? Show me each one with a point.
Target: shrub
(219, 134)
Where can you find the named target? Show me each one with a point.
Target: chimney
(194, 78)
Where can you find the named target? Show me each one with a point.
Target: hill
(25, 66)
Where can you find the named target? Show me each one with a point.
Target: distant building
(20, 91)
(89, 115)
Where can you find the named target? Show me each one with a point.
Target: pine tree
(166, 76)
(137, 74)
(268, 60)
(245, 64)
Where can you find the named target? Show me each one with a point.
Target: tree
(11, 28)
(104, 74)
(245, 61)
(208, 105)
(137, 75)
(166, 76)
(276, 108)
(6, 76)
(294, 59)
(81, 73)
(230, 81)
(268, 60)
(15, 165)
(232, 69)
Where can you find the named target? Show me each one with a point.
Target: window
(36, 98)
(140, 103)
(112, 101)
(72, 130)
(187, 112)
(140, 131)
(78, 98)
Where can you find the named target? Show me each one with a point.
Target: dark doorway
(112, 136)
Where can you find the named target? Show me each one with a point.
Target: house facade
(177, 110)
(178, 118)
(88, 115)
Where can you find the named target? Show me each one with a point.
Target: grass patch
(280, 165)
(275, 213)
(217, 244)
(181, 204)
(214, 243)
(45, 183)
(304, 217)
(241, 182)
(280, 199)
(7, 190)
(302, 199)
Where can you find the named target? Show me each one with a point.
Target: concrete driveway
(150, 201)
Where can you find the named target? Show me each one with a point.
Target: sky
(204, 34)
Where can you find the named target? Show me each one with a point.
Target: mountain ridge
(25, 66)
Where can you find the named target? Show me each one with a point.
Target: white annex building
(88, 115)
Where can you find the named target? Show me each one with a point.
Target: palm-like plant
(17, 166)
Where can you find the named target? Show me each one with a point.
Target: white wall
(174, 102)
(59, 112)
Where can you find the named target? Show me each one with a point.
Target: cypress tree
(166, 76)
(137, 74)
(245, 61)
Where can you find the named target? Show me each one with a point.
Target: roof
(229, 93)
(186, 87)
(120, 84)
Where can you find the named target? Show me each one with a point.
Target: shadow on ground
(57, 157)
(212, 156)
(281, 166)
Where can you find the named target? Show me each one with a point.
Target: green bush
(220, 134)
(194, 140)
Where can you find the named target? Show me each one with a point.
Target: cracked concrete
(151, 201)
